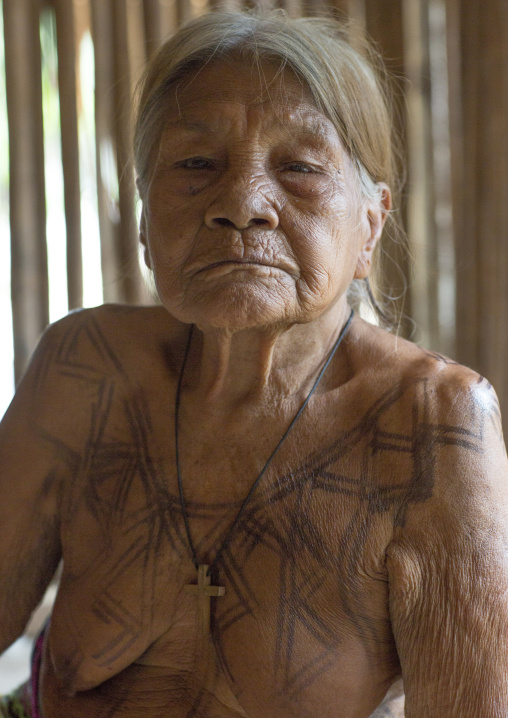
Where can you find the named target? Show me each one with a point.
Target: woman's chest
(280, 628)
(301, 573)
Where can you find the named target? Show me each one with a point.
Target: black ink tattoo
(123, 483)
(439, 357)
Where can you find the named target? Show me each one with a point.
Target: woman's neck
(227, 369)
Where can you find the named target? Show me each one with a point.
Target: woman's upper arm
(448, 563)
(33, 464)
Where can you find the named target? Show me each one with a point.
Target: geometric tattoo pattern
(120, 483)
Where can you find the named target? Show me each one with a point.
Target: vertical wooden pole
(29, 270)
(480, 184)
(384, 24)
(357, 11)
(136, 42)
(169, 19)
(343, 8)
(66, 47)
(184, 11)
(444, 249)
(127, 239)
(421, 205)
(105, 154)
(152, 12)
(314, 7)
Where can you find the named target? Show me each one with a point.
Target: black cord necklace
(203, 589)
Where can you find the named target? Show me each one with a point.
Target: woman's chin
(236, 310)
(234, 319)
(234, 313)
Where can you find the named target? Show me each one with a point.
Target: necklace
(203, 589)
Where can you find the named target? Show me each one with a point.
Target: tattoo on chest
(378, 468)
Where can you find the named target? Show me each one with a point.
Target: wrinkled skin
(268, 163)
(373, 549)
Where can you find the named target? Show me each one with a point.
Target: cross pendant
(204, 591)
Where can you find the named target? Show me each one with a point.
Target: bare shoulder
(436, 422)
(388, 353)
(90, 355)
(111, 340)
(112, 330)
(452, 391)
(445, 418)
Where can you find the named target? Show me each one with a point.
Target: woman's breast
(303, 623)
(294, 636)
(175, 674)
(291, 632)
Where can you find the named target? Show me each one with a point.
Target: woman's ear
(376, 217)
(143, 240)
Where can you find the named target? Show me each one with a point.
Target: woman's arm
(33, 464)
(448, 562)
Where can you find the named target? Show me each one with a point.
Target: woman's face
(253, 215)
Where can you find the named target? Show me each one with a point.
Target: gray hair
(342, 70)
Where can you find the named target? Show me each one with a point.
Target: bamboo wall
(468, 260)
(479, 112)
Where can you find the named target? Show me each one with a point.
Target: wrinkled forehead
(263, 79)
(263, 93)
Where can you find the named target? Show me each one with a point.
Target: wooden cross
(204, 591)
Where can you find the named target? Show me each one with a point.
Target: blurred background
(68, 234)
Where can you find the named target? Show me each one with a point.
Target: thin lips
(237, 260)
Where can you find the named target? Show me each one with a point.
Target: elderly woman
(265, 506)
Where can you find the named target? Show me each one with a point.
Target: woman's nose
(240, 203)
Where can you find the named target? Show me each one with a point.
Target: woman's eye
(302, 167)
(196, 163)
